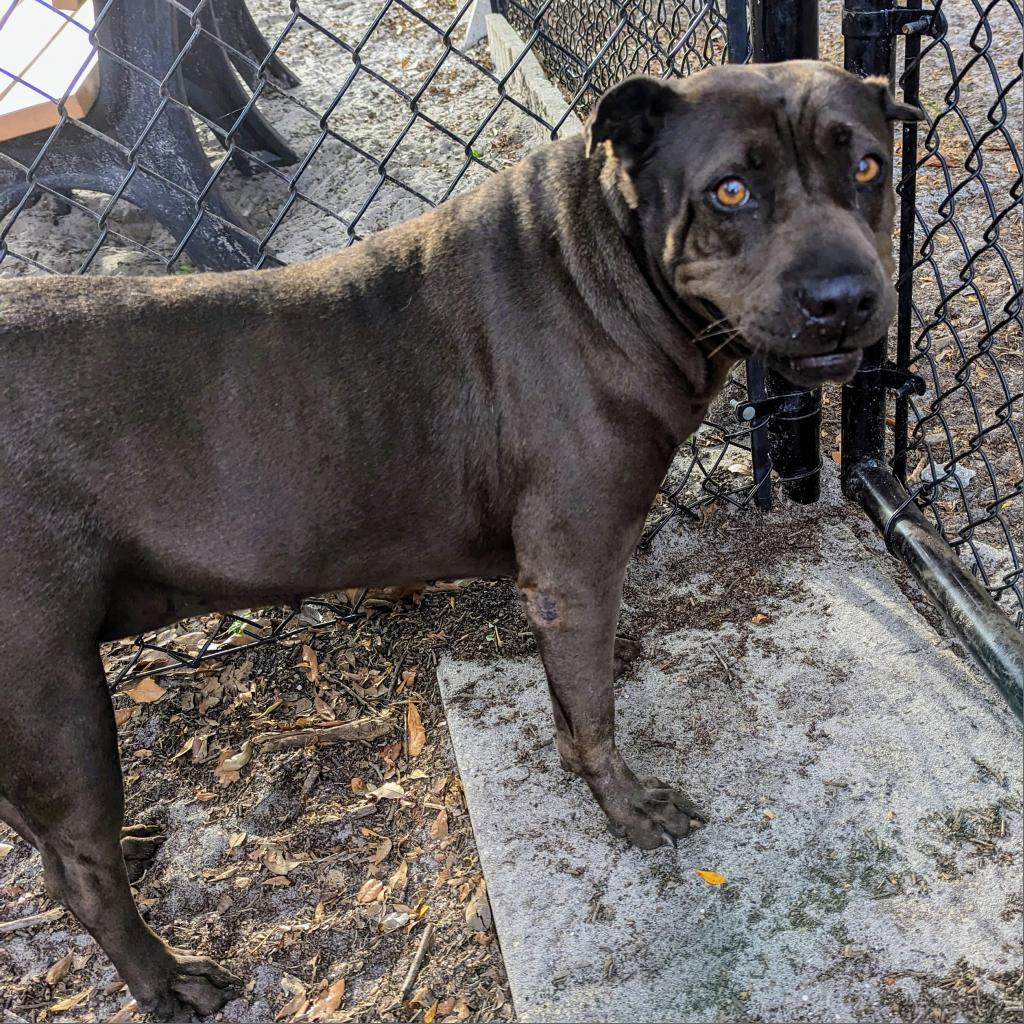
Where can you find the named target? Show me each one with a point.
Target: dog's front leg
(572, 599)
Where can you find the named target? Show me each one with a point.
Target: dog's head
(763, 193)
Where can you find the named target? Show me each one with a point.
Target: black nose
(842, 303)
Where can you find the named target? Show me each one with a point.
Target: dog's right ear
(629, 115)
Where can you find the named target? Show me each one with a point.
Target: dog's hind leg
(60, 779)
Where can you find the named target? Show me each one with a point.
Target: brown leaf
(396, 883)
(278, 863)
(146, 691)
(126, 1014)
(417, 736)
(383, 849)
(478, 910)
(439, 828)
(387, 791)
(122, 715)
(57, 971)
(327, 1005)
(71, 1001)
(309, 663)
(370, 890)
(759, 618)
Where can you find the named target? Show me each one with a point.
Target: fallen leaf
(238, 761)
(383, 849)
(396, 883)
(278, 863)
(478, 910)
(357, 784)
(146, 691)
(5, 848)
(759, 618)
(126, 1014)
(711, 877)
(369, 890)
(71, 1001)
(393, 921)
(417, 736)
(387, 791)
(327, 1005)
(439, 828)
(428, 1017)
(122, 715)
(309, 663)
(57, 971)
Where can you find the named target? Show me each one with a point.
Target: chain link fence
(184, 135)
(958, 446)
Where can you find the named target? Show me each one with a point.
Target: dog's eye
(868, 168)
(732, 193)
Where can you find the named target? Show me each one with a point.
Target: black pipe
(788, 30)
(979, 623)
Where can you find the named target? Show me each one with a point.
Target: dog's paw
(646, 811)
(139, 844)
(192, 986)
(627, 651)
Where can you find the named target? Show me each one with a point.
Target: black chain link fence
(958, 447)
(227, 134)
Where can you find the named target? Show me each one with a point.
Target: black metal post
(869, 28)
(788, 30)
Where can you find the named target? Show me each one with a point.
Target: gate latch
(903, 382)
(893, 21)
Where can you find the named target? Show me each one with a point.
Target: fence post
(788, 30)
(869, 30)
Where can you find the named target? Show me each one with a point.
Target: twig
(728, 671)
(30, 922)
(360, 729)
(417, 962)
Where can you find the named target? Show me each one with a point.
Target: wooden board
(52, 55)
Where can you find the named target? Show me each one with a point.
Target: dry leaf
(72, 1001)
(397, 881)
(309, 663)
(327, 1005)
(478, 910)
(370, 890)
(428, 1017)
(759, 618)
(357, 784)
(146, 691)
(383, 849)
(711, 877)
(126, 1014)
(5, 848)
(417, 736)
(277, 863)
(439, 828)
(122, 715)
(387, 791)
(59, 969)
(238, 761)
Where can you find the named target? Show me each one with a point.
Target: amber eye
(868, 168)
(732, 193)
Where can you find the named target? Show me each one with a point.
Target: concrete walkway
(864, 786)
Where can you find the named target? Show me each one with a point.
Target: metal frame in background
(870, 28)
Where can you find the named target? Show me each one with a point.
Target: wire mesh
(959, 445)
(228, 134)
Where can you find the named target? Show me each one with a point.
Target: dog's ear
(891, 107)
(629, 115)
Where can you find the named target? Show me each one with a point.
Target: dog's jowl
(519, 366)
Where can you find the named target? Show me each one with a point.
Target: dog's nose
(843, 302)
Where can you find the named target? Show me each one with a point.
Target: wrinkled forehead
(754, 115)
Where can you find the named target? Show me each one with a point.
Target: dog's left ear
(629, 116)
(891, 107)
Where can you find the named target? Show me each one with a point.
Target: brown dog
(494, 388)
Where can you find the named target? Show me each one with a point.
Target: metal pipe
(978, 622)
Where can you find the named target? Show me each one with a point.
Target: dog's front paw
(645, 811)
(191, 986)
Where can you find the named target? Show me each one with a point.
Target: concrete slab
(864, 785)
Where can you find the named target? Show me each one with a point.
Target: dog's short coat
(494, 388)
